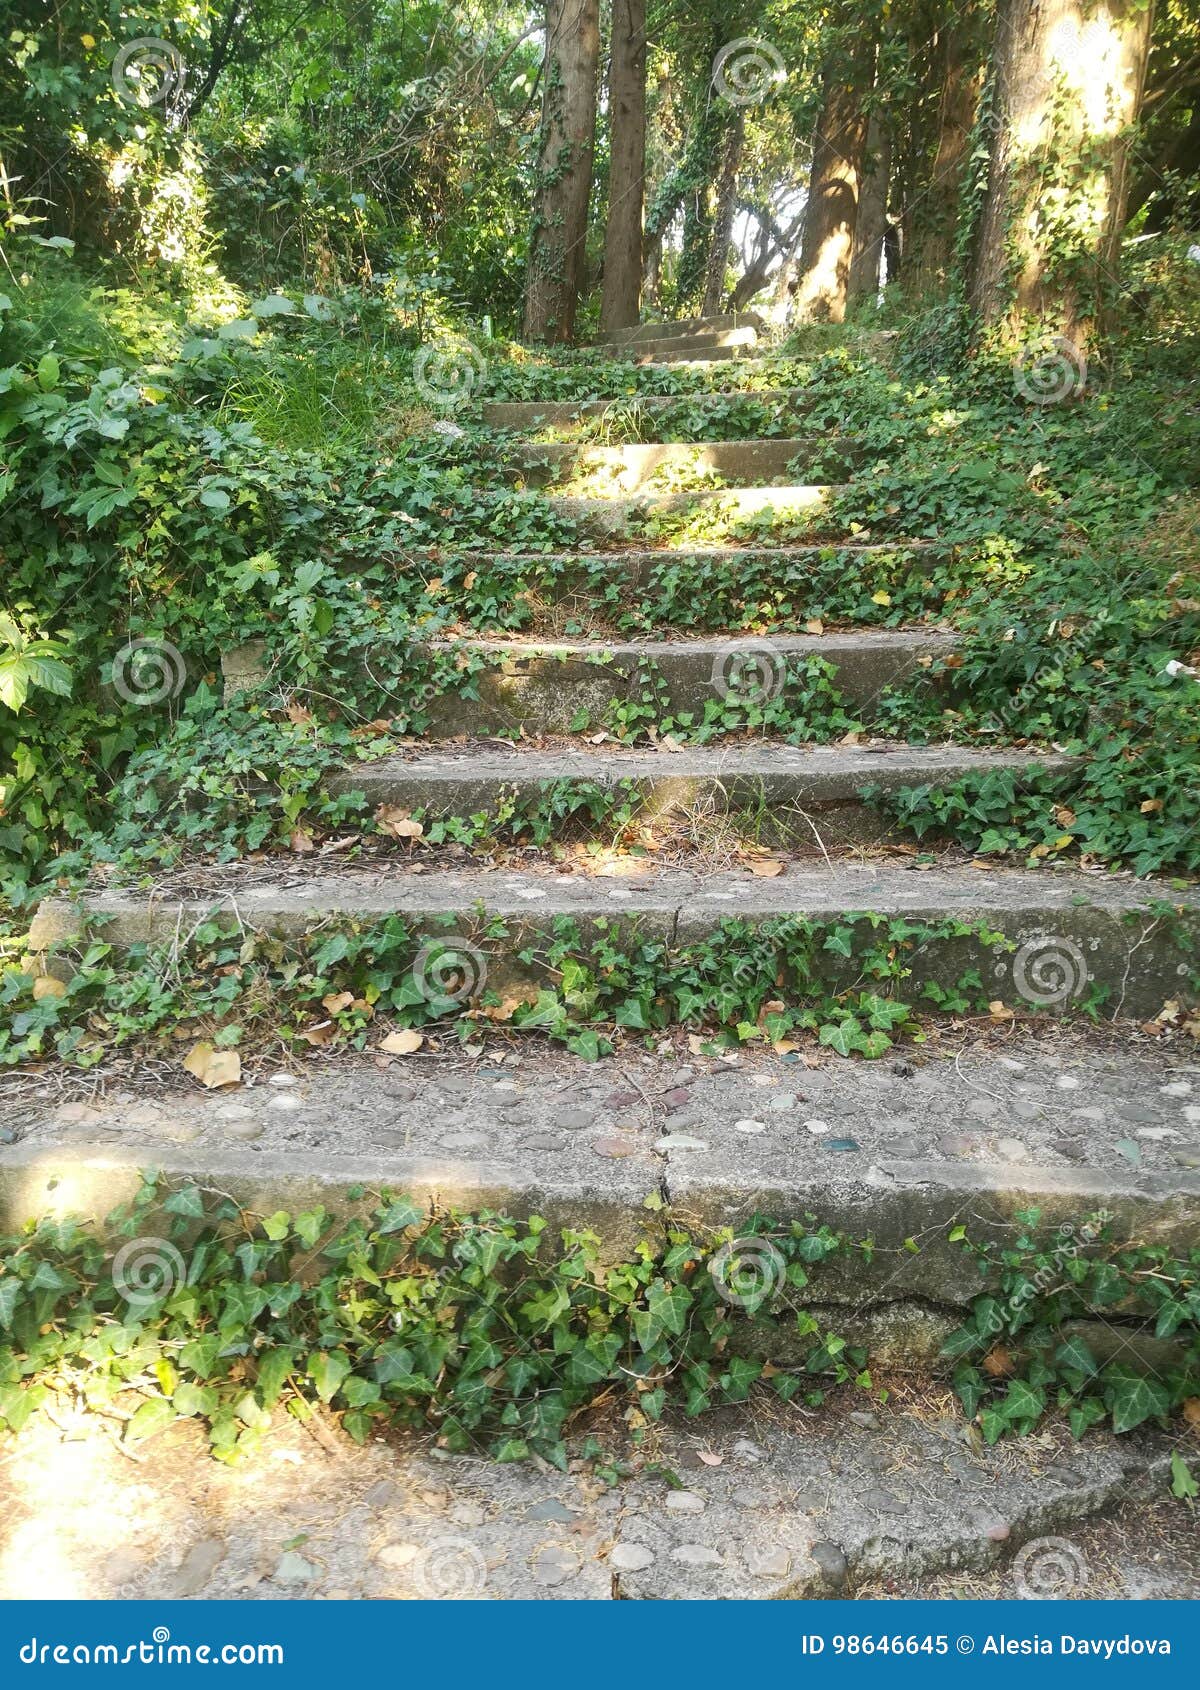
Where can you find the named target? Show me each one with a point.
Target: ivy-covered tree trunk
(870, 226)
(564, 171)
(934, 220)
(700, 168)
(622, 297)
(1067, 79)
(838, 148)
(722, 229)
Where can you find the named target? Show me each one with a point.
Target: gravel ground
(1053, 1097)
(759, 1502)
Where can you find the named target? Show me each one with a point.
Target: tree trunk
(1067, 85)
(621, 303)
(701, 167)
(722, 229)
(870, 225)
(838, 148)
(935, 216)
(564, 171)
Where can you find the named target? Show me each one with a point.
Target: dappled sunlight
(74, 1502)
(1093, 63)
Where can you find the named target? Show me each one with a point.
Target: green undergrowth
(855, 983)
(499, 1336)
(151, 521)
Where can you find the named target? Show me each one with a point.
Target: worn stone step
(1067, 941)
(541, 686)
(789, 790)
(701, 349)
(766, 573)
(686, 328)
(757, 1501)
(565, 413)
(629, 469)
(724, 508)
(901, 1156)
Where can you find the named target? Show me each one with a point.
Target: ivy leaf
(1133, 1398)
(10, 1296)
(188, 1201)
(398, 1215)
(327, 1369)
(1183, 1485)
(1076, 1355)
(1022, 1402)
(152, 1417)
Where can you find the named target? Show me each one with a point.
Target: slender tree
(955, 63)
(564, 172)
(1066, 87)
(870, 226)
(623, 235)
(839, 146)
(722, 226)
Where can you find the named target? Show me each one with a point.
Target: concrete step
(541, 686)
(1069, 942)
(686, 328)
(715, 511)
(703, 349)
(749, 574)
(756, 1502)
(917, 1152)
(566, 413)
(790, 790)
(776, 1501)
(629, 469)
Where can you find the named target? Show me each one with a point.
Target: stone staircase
(822, 803)
(901, 1149)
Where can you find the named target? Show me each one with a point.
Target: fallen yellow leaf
(766, 868)
(214, 1069)
(397, 823)
(402, 1043)
(46, 986)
